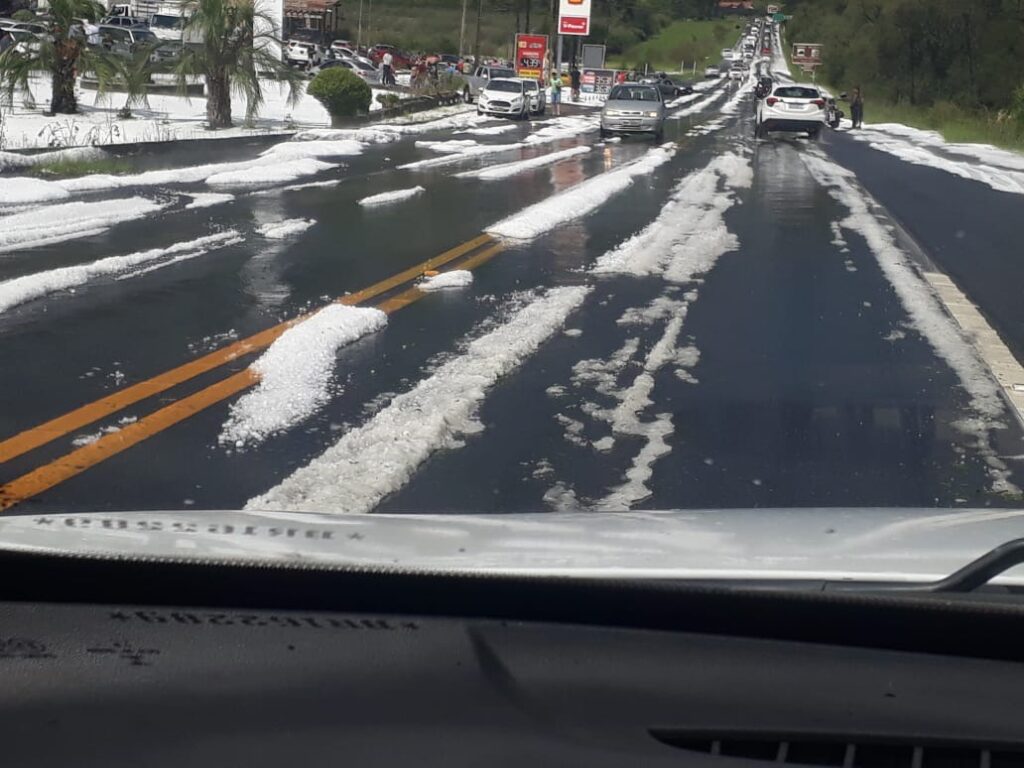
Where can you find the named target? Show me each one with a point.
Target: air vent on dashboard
(845, 751)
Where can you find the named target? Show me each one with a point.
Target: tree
(62, 52)
(238, 44)
(133, 73)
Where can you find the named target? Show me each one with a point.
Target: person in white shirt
(389, 74)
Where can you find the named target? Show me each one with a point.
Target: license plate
(796, 107)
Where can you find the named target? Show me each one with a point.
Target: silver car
(633, 108)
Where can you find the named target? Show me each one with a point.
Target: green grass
(682, 41)
(70, 168)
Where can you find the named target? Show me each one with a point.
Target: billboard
(574, 17)
(807, 54)
(593, 56)
(530, 53)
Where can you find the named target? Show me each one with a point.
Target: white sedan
(792, 109)
(505, 97)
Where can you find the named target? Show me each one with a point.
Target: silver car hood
(862, 544)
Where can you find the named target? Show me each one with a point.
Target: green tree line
(920, 52)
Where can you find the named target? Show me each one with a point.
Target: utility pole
(476, 47)
(359, 30)
(462, 30)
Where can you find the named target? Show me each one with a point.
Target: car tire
(814, 135)
(659, 136)
(466, 95)
(604, 134)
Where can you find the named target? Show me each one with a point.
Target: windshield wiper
(970, 578)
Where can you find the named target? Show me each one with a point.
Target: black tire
(814, 135)
(543, 110)
(466, 95)
(659, 136)
(604, 134)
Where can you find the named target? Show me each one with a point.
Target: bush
(342, 92)
(23, 15)
(388, 99)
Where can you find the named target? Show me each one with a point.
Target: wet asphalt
(809, 390)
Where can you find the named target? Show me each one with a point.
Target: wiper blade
(970, 578)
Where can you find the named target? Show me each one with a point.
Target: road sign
(807, 53)
(772, 10)
(593, 56)
(531, 50)
(574, 17)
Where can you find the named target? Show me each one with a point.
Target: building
(316, 19)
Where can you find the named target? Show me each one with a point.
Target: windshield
(266, 282)
(632, 93)
(167, 22)
(505, 86)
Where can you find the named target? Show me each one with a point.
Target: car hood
(835, 544)
(642, 106)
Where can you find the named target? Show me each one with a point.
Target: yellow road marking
(40, 435)
(81, 459)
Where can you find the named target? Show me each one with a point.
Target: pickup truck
(479, 79)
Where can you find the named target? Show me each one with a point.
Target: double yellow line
(482, 248)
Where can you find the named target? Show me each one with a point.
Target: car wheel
(659, 135)
(813, 135)
(604, 134)
(466, 95)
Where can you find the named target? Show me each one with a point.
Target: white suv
(504, 96)
(793, 109)
(302, 54)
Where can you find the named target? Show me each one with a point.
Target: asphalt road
(776, 350)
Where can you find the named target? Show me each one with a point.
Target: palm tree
(62, 52)
(133, 73)
(238, 43)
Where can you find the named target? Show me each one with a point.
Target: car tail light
(819, 103)
(771, 101)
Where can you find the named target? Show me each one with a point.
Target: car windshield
(632, 93)
(507, 86)
(167, 22)
(585, 282)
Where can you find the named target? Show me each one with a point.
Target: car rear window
(794, 92)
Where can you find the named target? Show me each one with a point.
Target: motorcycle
(833, 114)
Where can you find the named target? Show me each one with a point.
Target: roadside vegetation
(71, 168)
(682, 44)
(948, 65)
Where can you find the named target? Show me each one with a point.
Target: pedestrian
(857, 107)
(387, 61)
(556, 93)
(574, 79)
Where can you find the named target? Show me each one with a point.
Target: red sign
(574, 25)
(530, 53)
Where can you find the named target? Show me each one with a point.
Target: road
(715, 322)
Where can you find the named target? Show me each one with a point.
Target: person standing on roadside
(387, 61)
(857, 107)
(556, 93)
(574, 80)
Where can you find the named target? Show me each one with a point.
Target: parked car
(124, 21)
(669, 89)
(124, 41)
(303, 54)
(792, 109)
(399, 59)
(368, 72)
(476, 82)
(633, 108)
(24, 42)
(504, 97)
(538, 96)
